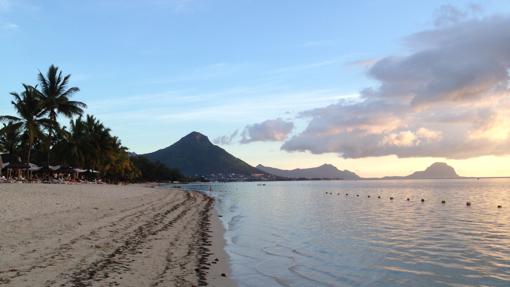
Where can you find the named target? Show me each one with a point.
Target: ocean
(340, 233)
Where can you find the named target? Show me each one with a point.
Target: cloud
(448, 96)
(410, 138)
(9, 26)
(364, 63)
(269, 130)
(449, 14)
(226, 140)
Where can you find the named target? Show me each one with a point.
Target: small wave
(234, 222)
(274, 253)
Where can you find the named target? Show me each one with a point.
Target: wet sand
(106, 235)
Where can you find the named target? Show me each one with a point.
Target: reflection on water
(294, 234)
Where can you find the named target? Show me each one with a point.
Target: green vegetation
(34, 135)
(155, 171)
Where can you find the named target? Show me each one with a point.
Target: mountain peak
(435, 171)
(195, 136)
(327, 165)
(437, 165)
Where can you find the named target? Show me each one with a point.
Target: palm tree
(10, 138)
(99, 140)
(89, 144)
(73, 146)
(55, 96)
(28, 107)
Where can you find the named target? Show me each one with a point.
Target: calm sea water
(293, 234)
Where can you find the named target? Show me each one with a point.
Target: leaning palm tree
(56, 99)
(29, 110)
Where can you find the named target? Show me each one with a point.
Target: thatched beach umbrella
(34, 167)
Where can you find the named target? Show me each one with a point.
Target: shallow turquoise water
(294, 234)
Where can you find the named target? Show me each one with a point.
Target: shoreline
(109, 235)
(217, 248)
(215, 260)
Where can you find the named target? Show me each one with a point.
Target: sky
(376, 87)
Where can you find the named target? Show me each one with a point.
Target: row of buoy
(468, 203)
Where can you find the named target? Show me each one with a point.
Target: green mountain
(195, 155)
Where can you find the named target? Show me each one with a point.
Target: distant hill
(438, 170)
(325, 171)
(195, 155)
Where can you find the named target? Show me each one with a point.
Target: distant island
(325, 171)
(438, 170)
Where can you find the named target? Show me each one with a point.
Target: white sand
(104, 235)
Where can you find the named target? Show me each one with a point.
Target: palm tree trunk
(28, 160)
(49, 146)
(53, 118)
(29, 151)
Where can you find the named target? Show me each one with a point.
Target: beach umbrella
(34, 167)
(66, 169)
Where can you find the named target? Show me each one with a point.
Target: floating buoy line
(468, 203)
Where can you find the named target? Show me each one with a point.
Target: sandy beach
(106, 235)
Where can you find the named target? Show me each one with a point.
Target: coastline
(109, 235)
(217, 249)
